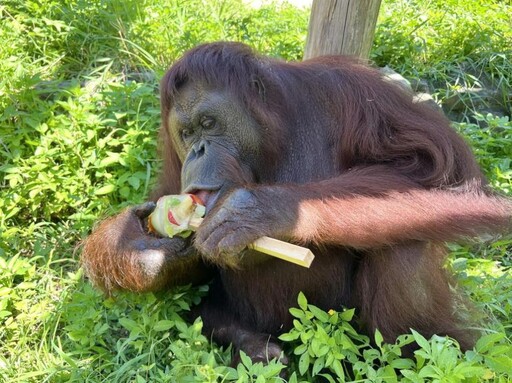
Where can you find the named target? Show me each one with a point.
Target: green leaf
(290, 336)
(4, 314)
(300, 349)
(113, 158)
(273, 370)
(323, 350)
(302, 301)
(487, 341)
(293, 378)
(246, 361)
(129, 324)
(299, 326)
(317, 366)
(163, 325)
(389, 374)
(318, 313)
(401, 364)
(338, 369)
(297, 313)
(499, 363)
(470, 371)
(304, 363)
(430, 372)
(411, 375)
(422, 342)
(329, 360)
(347, 315)
(134, 182)
(314, 347)
(306, 336)
(107, 189)
(378, 338)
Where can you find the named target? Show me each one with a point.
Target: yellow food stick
(289, 252)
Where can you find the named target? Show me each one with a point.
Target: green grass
(451, 44)
(78, 118)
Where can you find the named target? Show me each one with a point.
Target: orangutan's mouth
(207, 196)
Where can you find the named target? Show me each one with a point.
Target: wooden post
(342, 27)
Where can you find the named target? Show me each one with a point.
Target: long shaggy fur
(379, 183)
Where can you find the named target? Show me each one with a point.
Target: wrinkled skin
(322, 153)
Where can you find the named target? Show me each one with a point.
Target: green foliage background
(79, 112)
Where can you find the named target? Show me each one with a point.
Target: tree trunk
(342, 27)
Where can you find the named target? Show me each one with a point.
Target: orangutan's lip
(212, 200)
(208, 195)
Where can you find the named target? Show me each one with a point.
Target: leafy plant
(330, 348)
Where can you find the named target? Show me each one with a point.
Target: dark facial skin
(220, 146)
(216, 140)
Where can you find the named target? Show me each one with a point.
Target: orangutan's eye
(186, 133)
(207, 122)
